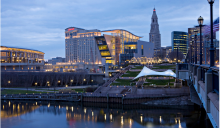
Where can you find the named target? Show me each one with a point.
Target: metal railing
(183, 66)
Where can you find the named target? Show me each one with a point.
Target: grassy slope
(130, 74)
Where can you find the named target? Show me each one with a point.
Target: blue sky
(40, 24)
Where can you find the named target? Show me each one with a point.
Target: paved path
(154, 78)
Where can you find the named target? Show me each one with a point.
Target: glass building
(180, 39)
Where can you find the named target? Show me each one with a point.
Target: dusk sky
(40, 24)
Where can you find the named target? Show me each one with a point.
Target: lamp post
(192, 49)
(200, 21)
(211, 29)
(195, 31)
(177, 54)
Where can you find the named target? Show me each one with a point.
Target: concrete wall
(148, 49)
(28, 79)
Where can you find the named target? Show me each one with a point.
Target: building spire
(154, 8)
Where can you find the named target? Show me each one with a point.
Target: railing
(208, 91)
(216, 82)
(195, 71)
(203, 71)
(183, 66)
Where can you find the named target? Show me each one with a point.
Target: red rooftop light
(70, 29)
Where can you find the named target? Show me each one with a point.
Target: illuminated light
(72, 109)
(9, 103)
(70, 29)
(3, 107)
(9, 82)
(36, 103)
(91, 80)
(84, 110)
(48, 105)
(110, 116)
(66, 85)
(66, 107)
(58, 81)
(71, 80)
(48, 82)
(141, 119)
(160, 119)
(122, 120)
(59, 106)
(84, 79)
(105, 116)
(130, 122)
(180, 124)
(92, 113)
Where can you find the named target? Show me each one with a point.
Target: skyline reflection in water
(93, 115)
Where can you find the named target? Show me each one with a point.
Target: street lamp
(211, 29)
(191, 51)
(200, 21)
(192, 48)
(195, 31)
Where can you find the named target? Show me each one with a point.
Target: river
(43, 114)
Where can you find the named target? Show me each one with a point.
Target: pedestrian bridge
(204, 87)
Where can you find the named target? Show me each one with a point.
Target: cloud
(40, 24)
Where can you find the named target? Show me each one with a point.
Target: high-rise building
(80, 46)
(90, 47)
(154, 35)
(180, 39)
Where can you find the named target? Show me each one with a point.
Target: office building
(179, 40)
(53, 61)
(159, 53)
(168, 50)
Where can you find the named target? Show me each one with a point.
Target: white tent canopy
(146, 71)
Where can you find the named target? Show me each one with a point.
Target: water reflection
(83, 115)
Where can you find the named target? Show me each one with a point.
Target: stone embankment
(181, 100)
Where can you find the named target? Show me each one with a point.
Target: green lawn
(138, 67)
(78, 90)
(12, 91)
(159, 82)
(130, 74)
(164, 66)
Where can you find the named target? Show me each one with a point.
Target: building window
(142, 50)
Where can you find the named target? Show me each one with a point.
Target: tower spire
(154, 35)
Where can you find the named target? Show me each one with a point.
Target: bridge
(204, 87)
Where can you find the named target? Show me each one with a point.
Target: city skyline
(40, 25)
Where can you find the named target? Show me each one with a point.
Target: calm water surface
(26, 114)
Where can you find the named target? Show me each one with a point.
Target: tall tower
(154, 35)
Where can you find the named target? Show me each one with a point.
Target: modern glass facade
(180, 39)
(119, 43)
